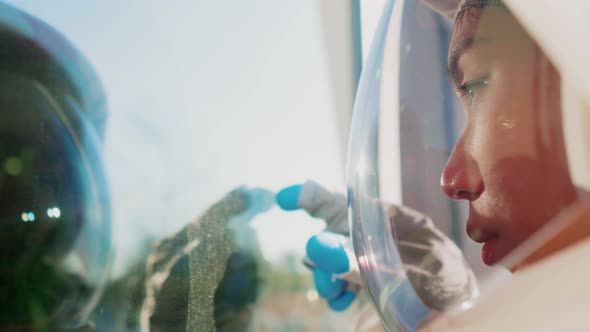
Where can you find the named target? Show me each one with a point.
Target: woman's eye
(470, 89)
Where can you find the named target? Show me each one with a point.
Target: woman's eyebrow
(455, 73)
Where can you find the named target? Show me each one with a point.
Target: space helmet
(468, 149)
(55, 250)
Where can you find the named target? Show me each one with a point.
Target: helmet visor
(457, 157)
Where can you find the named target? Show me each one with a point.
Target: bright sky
(206, 96)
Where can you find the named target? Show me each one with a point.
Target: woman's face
(509, 161)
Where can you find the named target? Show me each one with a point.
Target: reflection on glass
(51, 274)
(54, 213)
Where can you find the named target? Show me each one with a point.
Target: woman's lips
(478, 234)
(489, 251)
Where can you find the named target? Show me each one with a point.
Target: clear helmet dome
(459, 168)
(54, 203)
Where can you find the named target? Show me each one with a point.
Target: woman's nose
(461, 178)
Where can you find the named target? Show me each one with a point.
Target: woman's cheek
(493, 134)
(510, 113)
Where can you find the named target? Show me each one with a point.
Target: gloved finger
(318, 203)
(327, 286)
(342, 302)
(327, 253)
(288, 198)
(253, 201)
(260, 199)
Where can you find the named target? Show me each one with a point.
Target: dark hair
(467, 8)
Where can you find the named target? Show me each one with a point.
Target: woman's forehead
(491, 23)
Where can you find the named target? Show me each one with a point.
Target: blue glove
(328, 255)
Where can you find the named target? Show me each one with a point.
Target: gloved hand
(206, 276)
(328, 251)
(330, 259)
(434, 265)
